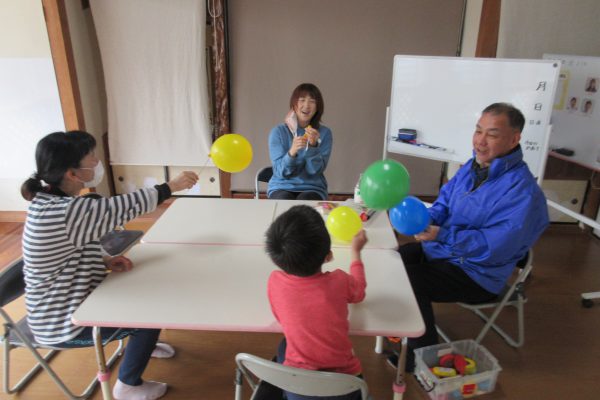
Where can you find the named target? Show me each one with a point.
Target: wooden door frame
(489, 26)
(55, 14)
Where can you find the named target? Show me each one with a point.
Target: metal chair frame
(264, 175)
(513, 295)
(294, 380)
(17, 334)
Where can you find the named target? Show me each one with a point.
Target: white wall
(530, 28)
(30, 106)
(471, 28)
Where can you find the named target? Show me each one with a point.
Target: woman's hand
(298, 144)
(119, 264)
(312, 135)
(184, 180)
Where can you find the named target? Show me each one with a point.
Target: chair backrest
(264, 175)
(301, 381)
(12, 283)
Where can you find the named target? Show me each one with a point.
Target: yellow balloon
(231, 152)
(343, 223)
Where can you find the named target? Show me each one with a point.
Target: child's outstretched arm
(358, 242)
(358, 282)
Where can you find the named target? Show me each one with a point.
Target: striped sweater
(63, 256)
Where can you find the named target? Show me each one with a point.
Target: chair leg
(25, 378)
(379, 344)
(239, 384)
(42, 362)
(442, 334)
(490, 323)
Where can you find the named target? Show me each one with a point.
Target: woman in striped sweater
(63, 258)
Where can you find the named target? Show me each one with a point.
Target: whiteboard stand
(545, 146)
(385, 136)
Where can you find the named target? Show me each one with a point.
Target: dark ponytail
(31, 186)
(54, 155)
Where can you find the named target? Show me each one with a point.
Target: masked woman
(63, 259)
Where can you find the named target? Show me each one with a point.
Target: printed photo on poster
(591, 85)
(573, 104)
(587, 107)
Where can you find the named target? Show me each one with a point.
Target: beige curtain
(153, 56)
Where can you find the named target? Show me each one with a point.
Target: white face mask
(98, 175)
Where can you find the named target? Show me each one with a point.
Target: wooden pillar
(217, 11)
(55, 14)
(489, 25)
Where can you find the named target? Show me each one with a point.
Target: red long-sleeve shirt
(313, 312)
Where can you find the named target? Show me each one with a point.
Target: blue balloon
(410, 216)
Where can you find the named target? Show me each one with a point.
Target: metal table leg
(103, 372)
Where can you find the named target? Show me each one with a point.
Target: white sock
(163, 350)
(148, 390)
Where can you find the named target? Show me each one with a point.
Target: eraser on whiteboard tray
(405, 134)
(564, 151)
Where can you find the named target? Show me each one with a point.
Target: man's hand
(119, 264)
(428, 234)
(184, 180)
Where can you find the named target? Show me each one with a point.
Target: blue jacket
(303, 172)
(487, 230)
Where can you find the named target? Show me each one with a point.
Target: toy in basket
(325, 207)
(456, 370)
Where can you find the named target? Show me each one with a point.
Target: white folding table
(243, 222)
(202, 266)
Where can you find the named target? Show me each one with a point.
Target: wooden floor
(558, 361)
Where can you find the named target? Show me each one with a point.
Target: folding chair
(294, 380)
(512, 295)
(264, 175)
(17, 334)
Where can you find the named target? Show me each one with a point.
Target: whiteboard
(442, 99)
(576, 127)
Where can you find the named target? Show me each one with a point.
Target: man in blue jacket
(485, 220)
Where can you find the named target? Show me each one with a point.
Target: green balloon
(384, 184)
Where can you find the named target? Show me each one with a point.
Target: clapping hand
(298, 144)
(312, 135)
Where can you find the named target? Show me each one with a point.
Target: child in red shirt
(311, 305)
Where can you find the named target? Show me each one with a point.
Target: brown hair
(309, 89)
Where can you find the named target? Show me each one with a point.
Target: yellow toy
(443, 372)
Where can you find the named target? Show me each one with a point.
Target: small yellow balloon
(343, 223)
(231, 152)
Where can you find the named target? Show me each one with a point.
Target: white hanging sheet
(153, 55)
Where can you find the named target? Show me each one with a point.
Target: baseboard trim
(13, 216)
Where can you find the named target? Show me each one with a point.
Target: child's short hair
(298, 242)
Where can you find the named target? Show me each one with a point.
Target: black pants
(436, 281)
(286, 195)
